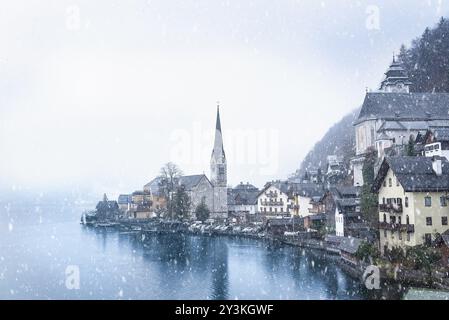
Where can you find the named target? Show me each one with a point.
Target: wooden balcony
(391, 208)
(409, 228)
(273, 203)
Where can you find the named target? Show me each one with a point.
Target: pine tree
(369, 200)
(202, 212)
(180, 203)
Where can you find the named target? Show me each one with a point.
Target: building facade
(413, 200)
(392, 116)
(274, 200)
(242, 199)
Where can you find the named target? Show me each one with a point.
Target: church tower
(218, 173)
(396, 78)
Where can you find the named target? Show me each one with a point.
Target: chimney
(437, 166)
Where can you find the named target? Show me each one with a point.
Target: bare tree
(168, 181)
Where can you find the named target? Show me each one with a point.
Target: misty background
(96, 96)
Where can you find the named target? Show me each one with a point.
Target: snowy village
(388, 205)
(321, 173)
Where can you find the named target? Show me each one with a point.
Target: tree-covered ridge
(339, 140)
(427, 59)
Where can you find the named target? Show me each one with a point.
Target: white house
(274, 199)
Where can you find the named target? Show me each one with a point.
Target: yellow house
(413, 200)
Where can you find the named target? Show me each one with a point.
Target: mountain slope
(339, 140)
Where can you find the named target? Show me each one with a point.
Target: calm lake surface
(36, 249)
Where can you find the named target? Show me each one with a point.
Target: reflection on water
(114, 265)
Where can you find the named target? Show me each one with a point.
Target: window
(428, 239)
(282, 209)
(400, 235)
(385, 183)
(407, 219)
(444, 221)
(275, 210)
(385, 217)
(399, 201)
(383, 200)
(443, 201)
(408, 236)
(390, 182)
(385, 233)
(428, 201)
(406, 202)
(399, 220)
(397, 182)
(393, 219)
(428, 221)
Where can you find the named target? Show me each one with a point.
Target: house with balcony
(275, 199)
(413, 200)
(437, 143)
(343, 214)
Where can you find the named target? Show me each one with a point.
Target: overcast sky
(100, 94)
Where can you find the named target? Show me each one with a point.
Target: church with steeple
(393, 116)
(218, 172)
(212, 191)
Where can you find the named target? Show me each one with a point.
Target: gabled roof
(445, 237)
(243, 186)
(404, 106)
(350, 245)
(282, 186)
(441, 134)
(415, 174)
(154, 186)
(190, 182)
(309, 190)
(243, 196)
(348, 191)
(124, 199)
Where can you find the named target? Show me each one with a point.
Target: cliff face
(339, 140)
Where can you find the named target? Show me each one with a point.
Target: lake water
(38, 250)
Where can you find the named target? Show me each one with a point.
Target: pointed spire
(218, 144)
(218, 124)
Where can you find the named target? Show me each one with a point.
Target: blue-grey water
(37, 247)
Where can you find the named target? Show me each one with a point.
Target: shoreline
(413, 278)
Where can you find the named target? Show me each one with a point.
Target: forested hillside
(339, 140)
(427, 59)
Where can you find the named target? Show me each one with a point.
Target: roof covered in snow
(350, 245)
(190, 182)
(415, 174)
(405, 106)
